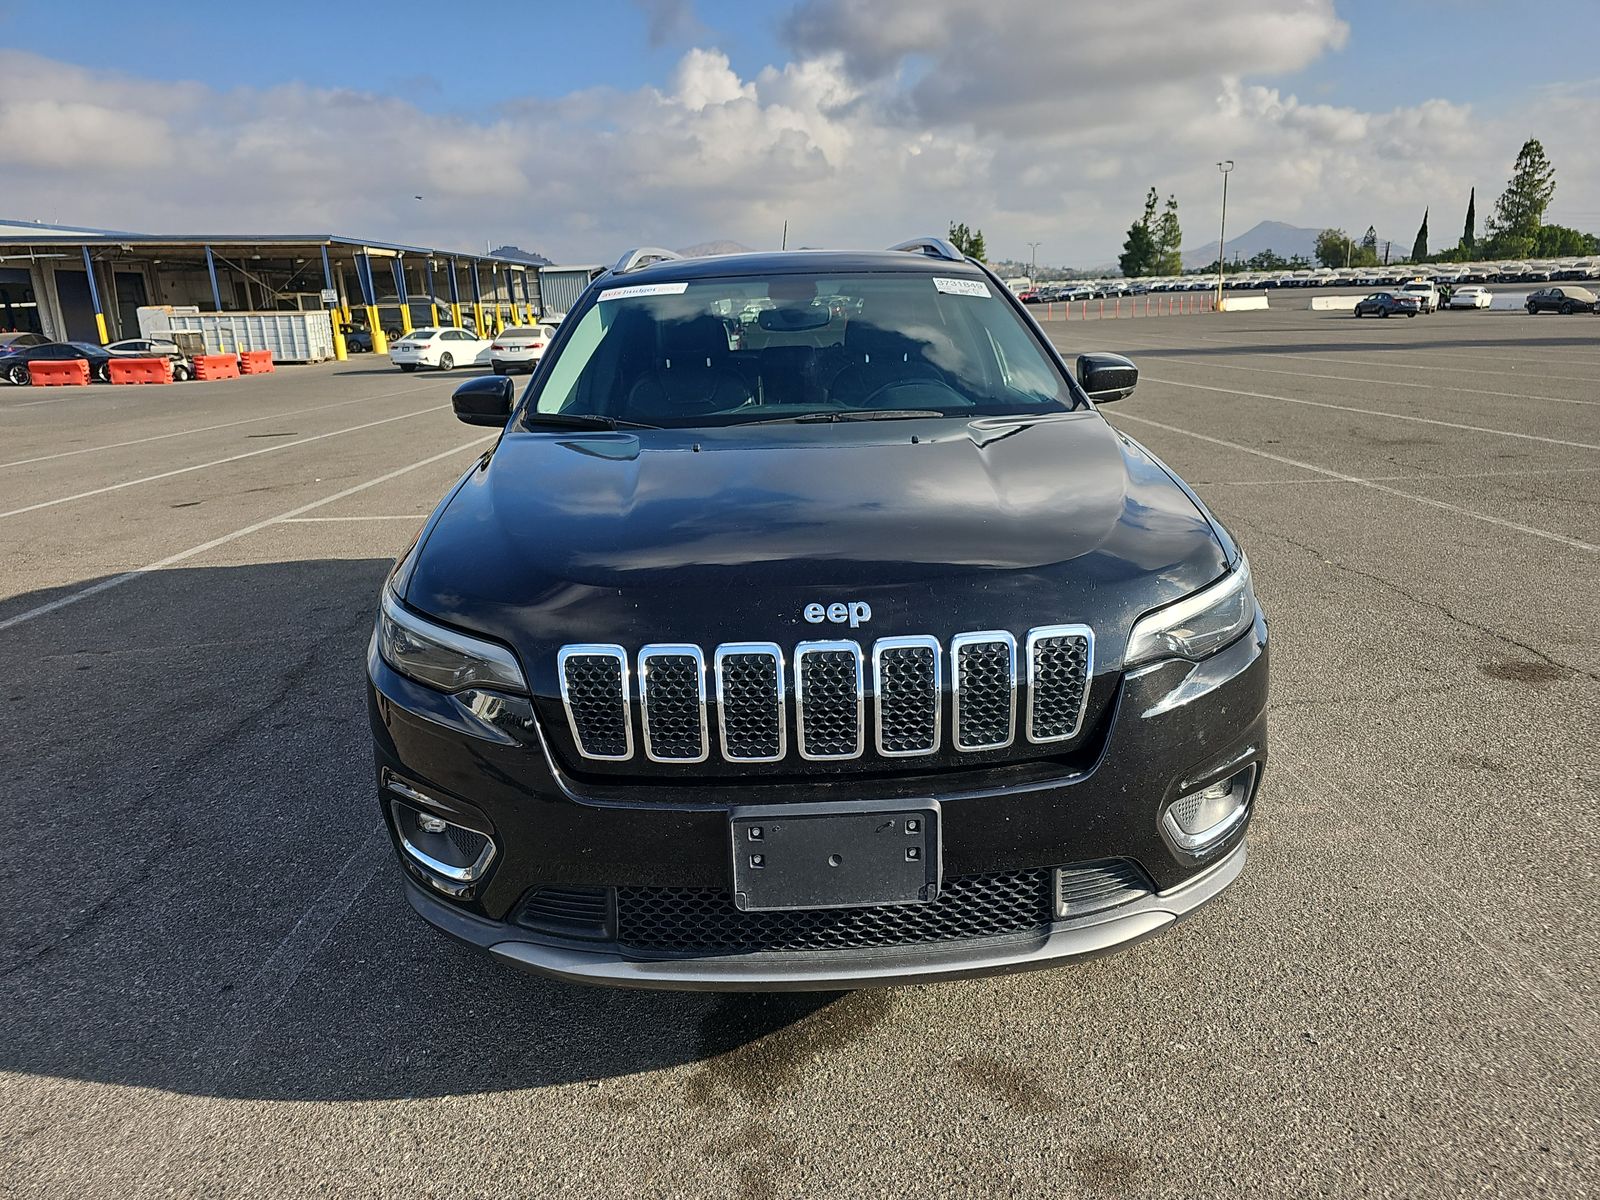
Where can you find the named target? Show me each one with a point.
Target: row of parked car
(19, 350)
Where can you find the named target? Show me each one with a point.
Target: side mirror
(1107, 377)
(484, 401)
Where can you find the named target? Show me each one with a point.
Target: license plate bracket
(795, 856)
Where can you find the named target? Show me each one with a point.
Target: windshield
(735, 350)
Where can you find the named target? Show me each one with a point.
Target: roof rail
(933, 247)
(642, 256)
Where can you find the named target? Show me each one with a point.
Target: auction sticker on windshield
(645, 289)
(957, 287)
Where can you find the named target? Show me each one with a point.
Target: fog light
(429, 823)
(451, 857)
(1202, 818)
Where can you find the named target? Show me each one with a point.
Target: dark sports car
(1565, 300)
(1387, 304)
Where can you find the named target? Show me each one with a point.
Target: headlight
(1197, 625)
(443, 658)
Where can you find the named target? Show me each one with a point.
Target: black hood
(719, 535)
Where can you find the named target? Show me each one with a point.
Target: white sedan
(1471, 297)
(446, 347)
(519, 348)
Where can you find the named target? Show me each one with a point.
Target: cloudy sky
(580, 130)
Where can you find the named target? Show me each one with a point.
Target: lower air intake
(704, 920)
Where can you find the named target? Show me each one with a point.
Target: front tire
(1384, 314)
(1568, 309)
(180, 374)
(18, 375)
(446, 362)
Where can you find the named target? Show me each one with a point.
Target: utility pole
(1033, 258)
(785, 245)
(1222, 235)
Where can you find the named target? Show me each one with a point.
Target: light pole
(1222, 237)
(1033, 258)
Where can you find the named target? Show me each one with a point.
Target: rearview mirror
(793, 320)
(1107, 377)
(484, 401)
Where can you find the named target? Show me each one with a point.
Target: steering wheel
(945, 395)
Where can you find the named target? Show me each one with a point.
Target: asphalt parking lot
(210, 984)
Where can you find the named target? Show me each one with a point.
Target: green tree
(1469, 231)
(1419, 248)
(1334, 248)
(1169, 240)
(1520, 210)
(1138, 252)
(968, 241)
(1369, 248)
(1266, 260)
(1557, 241)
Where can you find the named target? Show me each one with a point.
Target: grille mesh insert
(985, 697)
(831, 703)
(752, 709)
(596, 704)
(704, 920)
(1096, 886)
(908, 700)
(671, 686)
(1059, 681)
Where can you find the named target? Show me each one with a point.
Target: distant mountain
(1284, 240)
(708, 249)
(517, 254)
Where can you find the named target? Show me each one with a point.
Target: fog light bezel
(1243, 779)
(458, 882)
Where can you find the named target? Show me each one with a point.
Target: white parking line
(386, 517)
(1371, 412)
(217, 462)
(293, 412)
(1500, 357)
(104, 585)
(1471, 514)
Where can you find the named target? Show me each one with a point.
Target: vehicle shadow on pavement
(215, 908)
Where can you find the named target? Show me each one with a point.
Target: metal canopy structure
(81, 283)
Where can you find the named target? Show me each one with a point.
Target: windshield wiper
(581, 421)
(853, 414)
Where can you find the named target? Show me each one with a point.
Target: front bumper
(1100, 933)
(1173, 727)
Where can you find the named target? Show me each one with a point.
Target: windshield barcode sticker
(959, 287)
(645, 289)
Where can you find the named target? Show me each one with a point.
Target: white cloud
(1036, 121)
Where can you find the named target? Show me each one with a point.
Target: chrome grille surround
(1061, 656)
(830, 696)
(828, 690)
(602, 670)
(745, 705)
(672, 703)
(983, 717)
(908, 681)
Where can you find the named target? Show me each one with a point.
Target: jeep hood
(716, 535)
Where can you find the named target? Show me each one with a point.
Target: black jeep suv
(807, 627)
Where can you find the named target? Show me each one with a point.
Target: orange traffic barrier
(255, 362)
(58, 374)
(216, 366)
(141, 370)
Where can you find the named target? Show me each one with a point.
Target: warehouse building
(81, 284)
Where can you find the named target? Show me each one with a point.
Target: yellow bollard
(433, 312)
(380, 344)
(341, 352)
(405, 319)
(100, 325)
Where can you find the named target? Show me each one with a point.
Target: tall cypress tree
(1419, 248)
(1469, 233)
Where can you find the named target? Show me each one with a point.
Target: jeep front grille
(833, 685)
